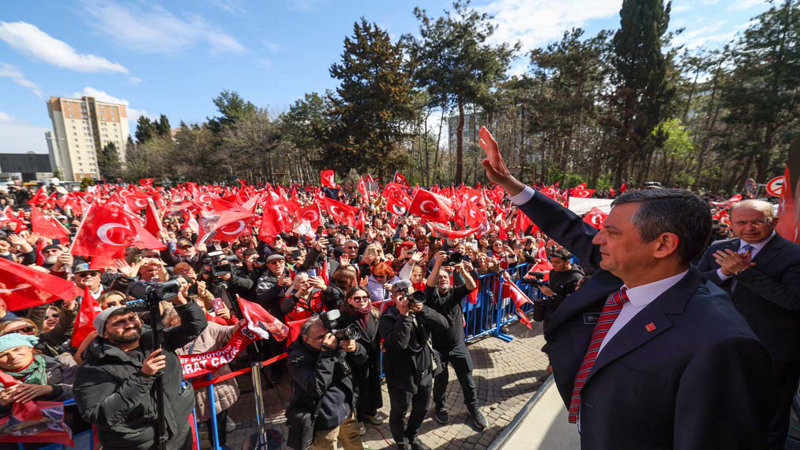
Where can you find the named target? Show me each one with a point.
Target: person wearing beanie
(115, 387)
(39, 377)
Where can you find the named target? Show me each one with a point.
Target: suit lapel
(595, 290)
(770, 251)
(649, 322)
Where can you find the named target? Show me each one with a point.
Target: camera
(535, 279)
(149, 294)
(417, 297)
(219, 263)
(330, 321)
(454, 258)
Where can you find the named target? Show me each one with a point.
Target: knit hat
(17, 340)
(100, 320)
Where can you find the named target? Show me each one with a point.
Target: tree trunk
(460, 143)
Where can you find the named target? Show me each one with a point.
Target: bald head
(761, 206)
(752, 220)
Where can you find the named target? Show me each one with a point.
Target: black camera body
(536, 279)
(330, 320)
(417, 297)
(454, 258)
(219, 263)
(149, 294)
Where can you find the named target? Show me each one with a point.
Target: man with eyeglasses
(86, 276)
(114, 388)
(761, 272)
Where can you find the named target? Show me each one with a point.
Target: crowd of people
(385, 286)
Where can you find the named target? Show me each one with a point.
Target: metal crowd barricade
(492, 311)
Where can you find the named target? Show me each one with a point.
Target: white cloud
(536, 22)
(21, 138)
(9, 71)
(40, 46)
(135, 80)
(741, 5)
(153, 29)
(103, 96)
(232, 6)
(5, 118)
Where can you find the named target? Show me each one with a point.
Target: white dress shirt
(639, 297)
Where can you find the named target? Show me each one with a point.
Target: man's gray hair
(757, 205)
(671, 211)
(306, 328)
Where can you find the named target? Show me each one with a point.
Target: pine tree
(162, 126)
(145, 129)
(371, 105)
(108, 162)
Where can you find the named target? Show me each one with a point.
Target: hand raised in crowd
(284, 281)
(441, 257)
(183, 294)
(154, 363)
(348, 346)
(468, 267)
(317, 282)
(403, 306)
(33, 238)
(129, 270)
(63, 260)
(732, 262)
(321, 245)
(201, 287)
(364, 282)
(225, 313)
(416, 258)
(20, 242)
(344, 260)
(415, 307)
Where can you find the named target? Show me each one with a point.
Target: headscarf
(33, 373)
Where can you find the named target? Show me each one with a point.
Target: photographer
(410, 363)
(564, 279)
(322, 409)
(450, 343)
(115, 388)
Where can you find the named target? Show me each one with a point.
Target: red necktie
(610, 312)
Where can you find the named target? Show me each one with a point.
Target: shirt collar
(643, 295)
(758, 246)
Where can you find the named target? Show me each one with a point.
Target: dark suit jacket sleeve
(723, 398)
(565, 227)
(784, 293)
(708, 267)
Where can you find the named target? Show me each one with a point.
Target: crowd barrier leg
(498, 332)
(196, 431)
(212, 414)
(258, 397)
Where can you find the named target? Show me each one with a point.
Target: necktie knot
(745, 248)
(622, 296)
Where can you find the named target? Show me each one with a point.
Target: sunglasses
(24, 330)
(51, 316)
(87, 274)
(360, 298)
(379, 277)
(350, 247)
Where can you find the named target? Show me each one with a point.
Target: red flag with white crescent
(595, 217)
(512, 291)
(24, 287)
(431, 206)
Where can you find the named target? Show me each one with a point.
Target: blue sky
(174, 57)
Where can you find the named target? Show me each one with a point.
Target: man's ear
(665, 245)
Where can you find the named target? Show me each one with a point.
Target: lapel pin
(650, 327)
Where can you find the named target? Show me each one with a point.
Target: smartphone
(217, 304)
(312, 272)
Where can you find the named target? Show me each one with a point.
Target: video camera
(219, 263)
(149, 294)
(330, 320)
(453, 259)
(415, 297)
(535, 279)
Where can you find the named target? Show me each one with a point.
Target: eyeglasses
(87, 274)
(24, 330)
(350, 247)
(51, 316)
(361, 298)
(379, 277)
(755, 223)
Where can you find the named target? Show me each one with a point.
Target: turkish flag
(107, 229)
(581, 191)
(340, 212)
(735, 199)
(145, 182)
(261, 322)
(273, 222)
(362, 189)
(136, 201)
(24, 287)
(84, 321)
(48, 226)
(396, 207)
(474, 215)
(39, 198)
(221, 224)
(399, 178)
(229, 233)
(512, 291)
(360, 220)
(595, 217)
(431, 206)
(152, 219)
(326, 179)
(448, 233)
(312, 214)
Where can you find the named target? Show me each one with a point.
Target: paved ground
(506, 373)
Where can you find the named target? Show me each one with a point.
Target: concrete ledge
(541, 424)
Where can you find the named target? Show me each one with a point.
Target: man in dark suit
(761, 272)
(647, 354)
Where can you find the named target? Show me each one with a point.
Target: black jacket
(767, 295)
(562, 284)
(112, 393)
(405, 338)
(313, 373)
(449, 306)
(367, 377)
